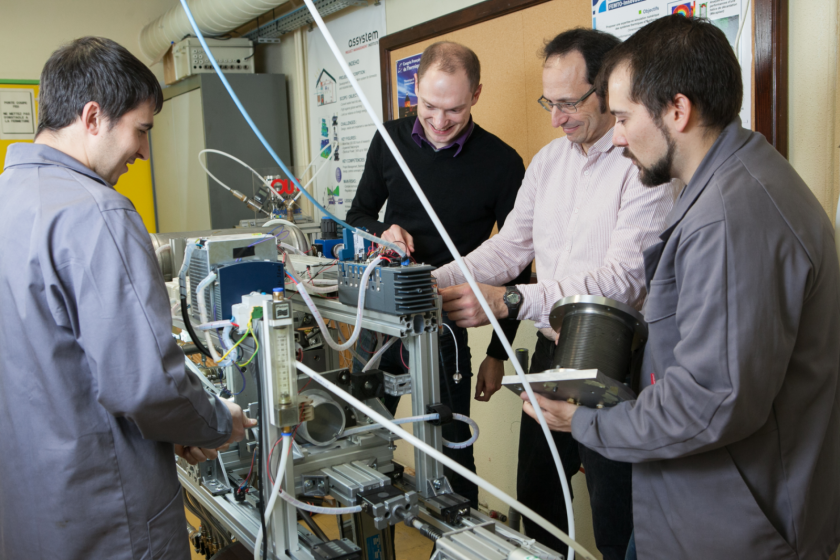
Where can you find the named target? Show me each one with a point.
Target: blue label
(374, 547)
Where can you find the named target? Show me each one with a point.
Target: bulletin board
(136, 184)
(507, 36)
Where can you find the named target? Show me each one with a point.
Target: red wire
(245, 482)
(401, 356)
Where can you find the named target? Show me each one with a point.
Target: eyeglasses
(564, 107)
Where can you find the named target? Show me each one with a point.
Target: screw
(436, 484)
(307, 484)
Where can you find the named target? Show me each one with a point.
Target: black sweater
(470, 193)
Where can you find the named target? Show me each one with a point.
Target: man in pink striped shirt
(585, 217)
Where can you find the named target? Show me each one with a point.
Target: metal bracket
(439, 486)
(316, 485)
(397, 385)
(213, 477)
(389, 505)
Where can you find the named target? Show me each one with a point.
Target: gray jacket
(94, 387)
(737, 444)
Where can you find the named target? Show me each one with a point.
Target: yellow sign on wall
(136, 185)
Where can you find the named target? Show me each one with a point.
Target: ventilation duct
(214, 17)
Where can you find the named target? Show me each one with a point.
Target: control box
(235, 56)
(225, 255)
(395, 290)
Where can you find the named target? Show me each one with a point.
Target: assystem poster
(340, 128)
(623, 17)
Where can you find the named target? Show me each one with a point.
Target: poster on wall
(340, 128)
(406, 80)
(17, 114)
(623, 17)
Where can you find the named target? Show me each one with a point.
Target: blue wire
(251, 122)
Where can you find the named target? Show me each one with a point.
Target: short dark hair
(93, 69)
(675, 54)
(592, 44)
(451, 57)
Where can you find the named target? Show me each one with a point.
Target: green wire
(257, 342)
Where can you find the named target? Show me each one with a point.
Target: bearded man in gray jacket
(735, 438)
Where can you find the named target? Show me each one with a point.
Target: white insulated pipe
(214, 17)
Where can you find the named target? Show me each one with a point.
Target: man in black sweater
(471, 178)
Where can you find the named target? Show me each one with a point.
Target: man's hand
(195, 455)
(399, 236)
(558, 414)
(462, 306)
(489, 379)
(240, 421)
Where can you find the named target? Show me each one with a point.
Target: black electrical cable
(261, 466)
(186, 317)
(446, 380)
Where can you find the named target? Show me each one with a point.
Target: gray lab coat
(737, 444)
(94, 389)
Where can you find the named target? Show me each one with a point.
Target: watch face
(513, 298)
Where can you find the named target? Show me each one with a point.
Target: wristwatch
(513, 301)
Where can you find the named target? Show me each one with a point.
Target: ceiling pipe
(214, 17)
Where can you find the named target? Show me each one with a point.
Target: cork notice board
(507, 37)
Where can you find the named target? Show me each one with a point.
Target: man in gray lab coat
(735, 439)
(95, 392)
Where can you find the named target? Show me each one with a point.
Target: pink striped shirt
(586, 218)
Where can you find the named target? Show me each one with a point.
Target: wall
(814, 116)
(33, 30)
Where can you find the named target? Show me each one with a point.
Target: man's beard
(660, 172)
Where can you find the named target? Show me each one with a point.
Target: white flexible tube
(233, 354)
(202, 313)
(424, 418)
(408, 420)
(214, 325)
(315, 509)
(357, 330)
(561, 473)
(744, 19)
(291, 248)
(278, 222)
(463, 444)
(438, 456)
(373, 359)
(163, 248)
(351, 350)
(275, 492)
(455, 340)
(237, 160)
(290, 269)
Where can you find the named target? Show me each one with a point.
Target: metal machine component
(587, 387)
(481, 542)
(388, 505)
(278, 357)
(349, 480)
(396, 290)
(367, 384)
(397, 385)
(225, 251)
(341, 549)
(327, 422)
(449, 507)
(597, 333)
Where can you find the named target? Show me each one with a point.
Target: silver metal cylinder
(328, 421)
